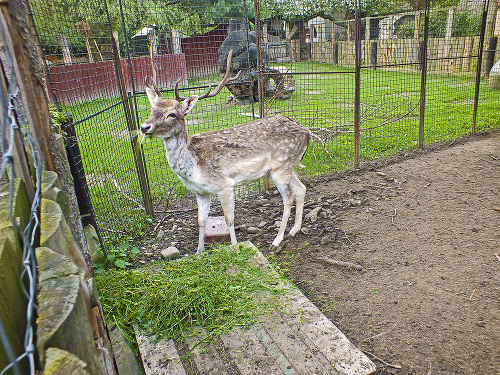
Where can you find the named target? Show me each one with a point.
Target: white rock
(253, 230)
(160, 234)
(313, 215)
(355, 202)
(170, 253)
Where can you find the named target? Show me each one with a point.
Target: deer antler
(209, 94)
(151, 82)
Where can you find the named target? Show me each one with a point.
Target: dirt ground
(421, 233)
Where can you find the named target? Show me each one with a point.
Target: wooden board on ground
(159, 358)
(297, 339)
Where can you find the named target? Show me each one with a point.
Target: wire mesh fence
(367, 87)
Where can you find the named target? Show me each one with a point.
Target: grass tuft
(215, 291)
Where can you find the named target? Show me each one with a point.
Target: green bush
(465, 23)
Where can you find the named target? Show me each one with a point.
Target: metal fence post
(79, 179)
(479, 65)
(260, 67)
(357, 84)
(423, 77)
(141, 174)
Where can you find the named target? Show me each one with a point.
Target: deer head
(167, 115)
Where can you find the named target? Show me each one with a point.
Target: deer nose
(145, 128)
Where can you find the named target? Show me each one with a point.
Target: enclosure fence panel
(366, 86)
(87, 80)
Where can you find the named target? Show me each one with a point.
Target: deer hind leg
(226, 198)
(203, 201)
(287, 195)
(299, 192)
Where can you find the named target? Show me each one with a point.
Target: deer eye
(172, 115)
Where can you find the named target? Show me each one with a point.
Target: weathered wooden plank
(159, 358)
(56, 234)
(64, 314)
(298, 352)
(460, 53)
(206, 356)
(319, 333)
(13, 301)
(126, 361)
(274, 351)
(61, 362)
(249, 353)
(315, 328)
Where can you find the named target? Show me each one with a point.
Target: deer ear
(152, 96)
(188, 104)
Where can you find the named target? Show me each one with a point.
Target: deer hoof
(277, 249)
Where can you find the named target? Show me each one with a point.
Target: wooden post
(260, 65)
(368, 31)
(416, 32)
(416, 36)
(152, 42)
(65, 50)
(479, 68)
(18, 39)
(117, 43)
(336, 53)
(492, 12)
(289, 35)
(447, 39)
(496, 33)
(373, 54)
(139, 162)
(264, 33)
(176, 42)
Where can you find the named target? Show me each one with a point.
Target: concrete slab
(297, 339)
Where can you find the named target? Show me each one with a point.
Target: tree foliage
(56, 18)
(295, 9)
(465, 23)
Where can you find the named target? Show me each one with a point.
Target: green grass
(322, 101)
(216, 291)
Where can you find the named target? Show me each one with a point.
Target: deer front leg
(226, 198)
(299, 191)
(203, 201)
(287, 204)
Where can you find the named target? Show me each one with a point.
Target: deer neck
(180, 159)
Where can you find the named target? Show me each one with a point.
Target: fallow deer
(215, 162)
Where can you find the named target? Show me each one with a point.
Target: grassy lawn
(323, 102)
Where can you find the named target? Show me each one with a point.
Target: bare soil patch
(422, 233)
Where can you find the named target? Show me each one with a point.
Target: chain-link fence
(367, 86)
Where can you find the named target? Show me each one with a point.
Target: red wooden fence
(76, 83)
(202, 52)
